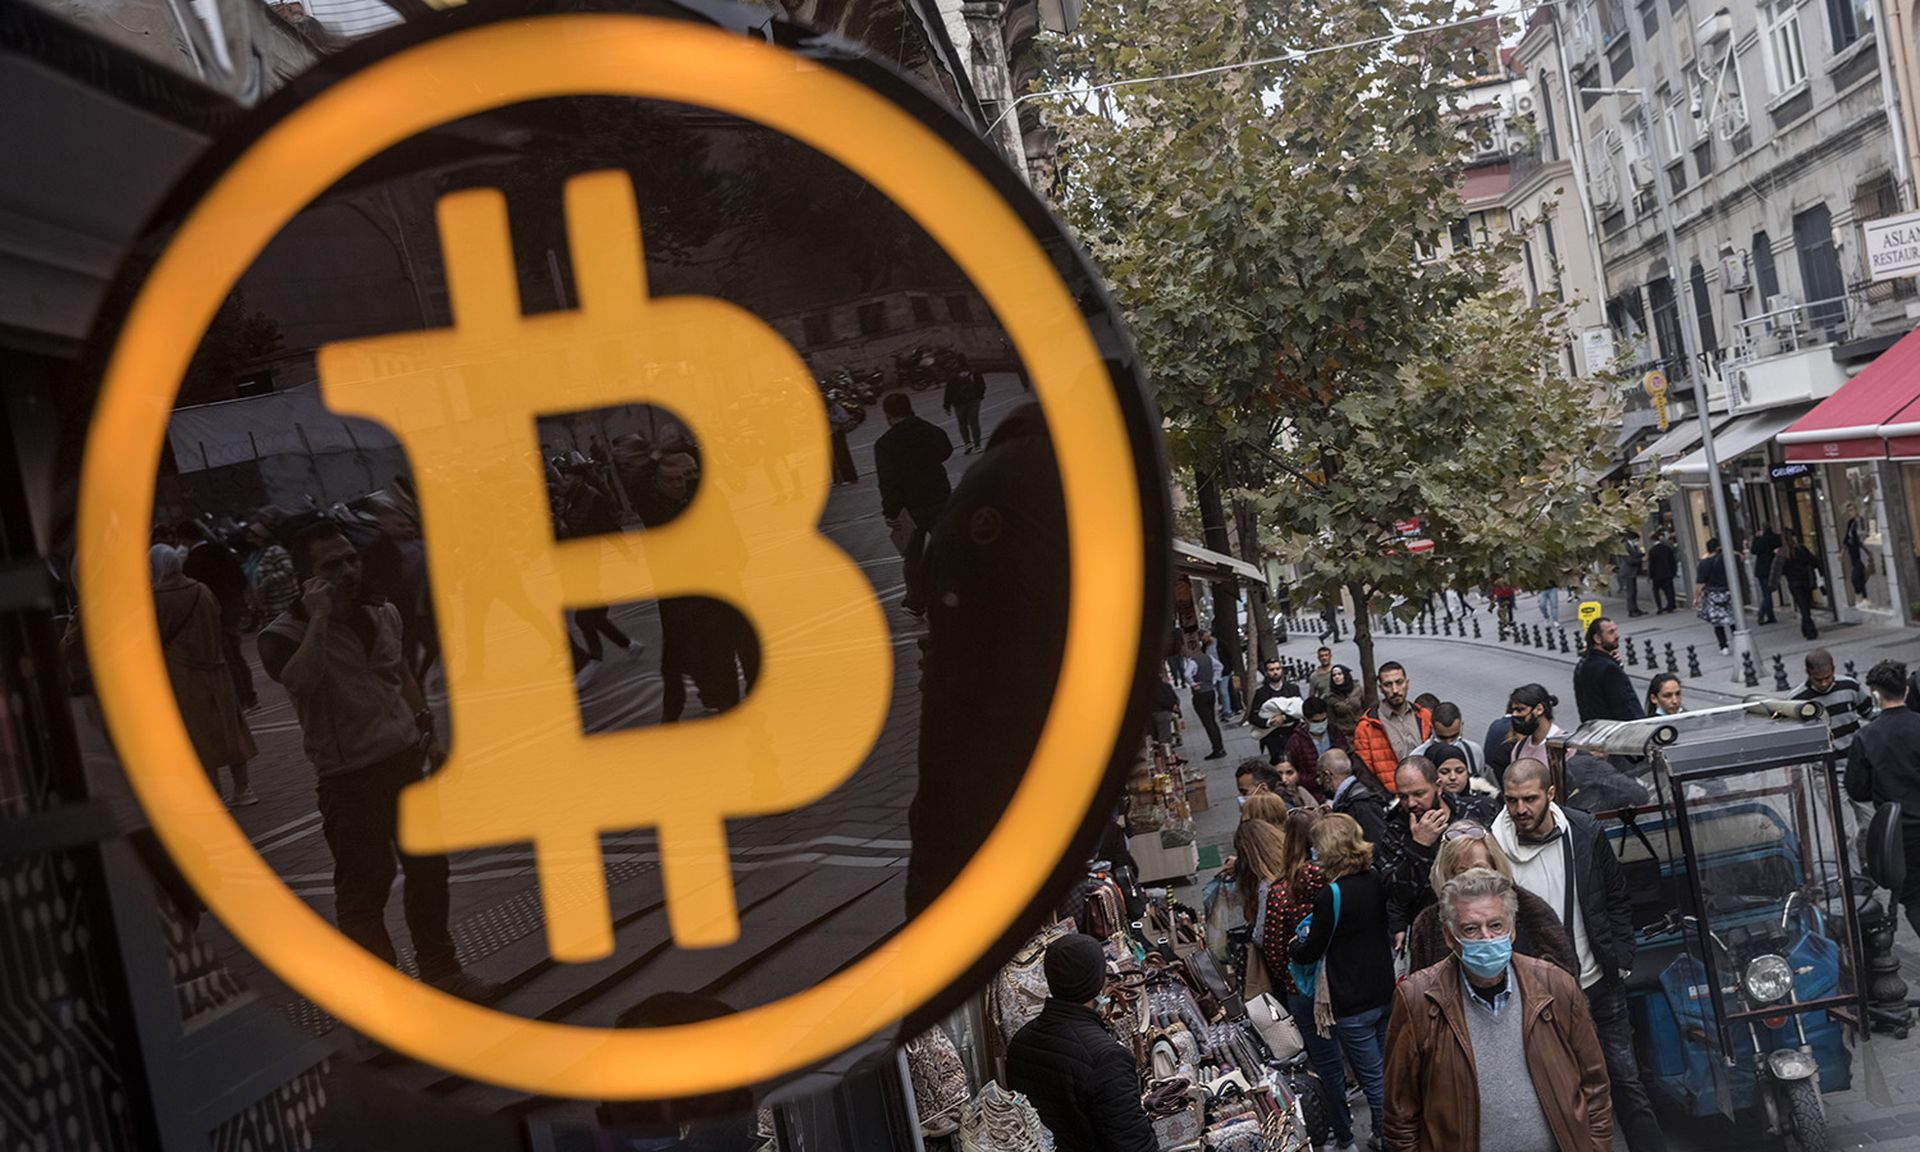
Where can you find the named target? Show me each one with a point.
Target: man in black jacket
(1662, 567)
(910, 461)
(1410, 837)
(1632, 559)
(965, 389)
(1561, 855)
(1883, 766)
(1353, 793)
(1601, 688)
(1079, 1079)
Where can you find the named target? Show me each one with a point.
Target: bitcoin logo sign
(464, 400)
(500, 371)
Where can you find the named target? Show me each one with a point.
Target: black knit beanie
(1076, 968)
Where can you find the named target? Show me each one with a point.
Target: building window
(1786, 59)
(1462, 234)
(1765, 276)
(922, 309)
(960, 308)
(1703, 309)
(1703, 157)
(817, 329)
(1586, 82)
(1533, 281)
(1650, 18)
(1553, 254)
(1849, 20)
(1666, 327)
(1549, 146)
(1820, 276)
(1628, 320)
(1620, 59)
(1676, 150)
(873, 318)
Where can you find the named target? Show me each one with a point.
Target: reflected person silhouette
(190, 636)
(996, 585)
(719, 1122)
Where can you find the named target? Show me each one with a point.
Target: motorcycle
(926, 366)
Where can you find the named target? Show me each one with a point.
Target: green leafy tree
(1274, 237)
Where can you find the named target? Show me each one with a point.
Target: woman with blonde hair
(1291, 899)
(1348, 931)
(1265, 808)
(1259, 853)
(1537, 931)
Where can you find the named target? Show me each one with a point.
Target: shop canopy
(1739, 437)
(1198, 561)
(1879, 404)
(1674, 442)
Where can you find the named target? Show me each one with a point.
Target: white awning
(1671, 445)
(1192, 557)
(1736, 439)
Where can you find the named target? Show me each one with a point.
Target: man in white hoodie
(1562, 856)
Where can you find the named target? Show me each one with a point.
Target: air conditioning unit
(1640, 171)
(1783, 313)
(1523, 104)
(1734, 275)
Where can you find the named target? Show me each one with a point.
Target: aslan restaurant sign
(1893, 246)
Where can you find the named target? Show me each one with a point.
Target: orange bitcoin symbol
(464, 401)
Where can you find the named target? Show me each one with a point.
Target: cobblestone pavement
(1477, 676)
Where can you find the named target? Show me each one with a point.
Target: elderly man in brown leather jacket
(1492, 1050)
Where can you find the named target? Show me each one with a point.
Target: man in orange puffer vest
(1389, 733)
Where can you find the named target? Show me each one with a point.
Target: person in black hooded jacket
(1079, 1079)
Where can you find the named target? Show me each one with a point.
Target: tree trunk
(1226, 595)
(1363, 639)
(1247, 526)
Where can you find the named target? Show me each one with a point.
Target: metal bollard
(1566, 645)
(1693, 663)
(1538, 641)
(1651, 662)
(1633, 659)
(1851, 674)
(1779, 674)
(1476, 627)
(1748, 675)
(1673, 665)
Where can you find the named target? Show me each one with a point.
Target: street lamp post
(1744, 655)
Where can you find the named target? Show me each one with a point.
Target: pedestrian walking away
(1712, 598)
(1562, 856)
(1348, 929)
(1663, 566)
(1883, 766)
(964, 392)
(1766, 546)
(366, 730)
(1083, 1084)
(1549, 602)
(1855, 542)
(1490, 1050)
(1602, 689)
(1795, 564)
(910, 462)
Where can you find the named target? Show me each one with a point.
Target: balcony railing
(1793, 327)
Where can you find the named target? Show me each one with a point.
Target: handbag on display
(1256, 982)
(939, 1080)
(1276, 1027)
(1002, 1121)
(1020, 989)
(1209, 985)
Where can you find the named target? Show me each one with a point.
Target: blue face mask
(1486, 958)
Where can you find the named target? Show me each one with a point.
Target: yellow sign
(1655, 385)
(1589, 612)
(497, 369)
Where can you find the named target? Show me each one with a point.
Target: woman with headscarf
(1453, 775)
(1536, 930)
(191, 638)
(1345, 702)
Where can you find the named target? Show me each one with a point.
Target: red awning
(1855, 422)
(1486, 183)
(1903, 433)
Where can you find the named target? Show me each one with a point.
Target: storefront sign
(464, 399)
(1589, 612)
(1893, 246)
(1788, 471)
(1596, 348)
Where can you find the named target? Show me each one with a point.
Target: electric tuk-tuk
(1745, 990)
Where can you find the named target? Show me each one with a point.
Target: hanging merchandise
(1020, 991)
(1002, 1121)
(1160, 833)
(1222, 913)
(1276, 1027)
(939, 1081)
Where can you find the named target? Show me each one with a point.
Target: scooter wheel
(1806, 1117)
